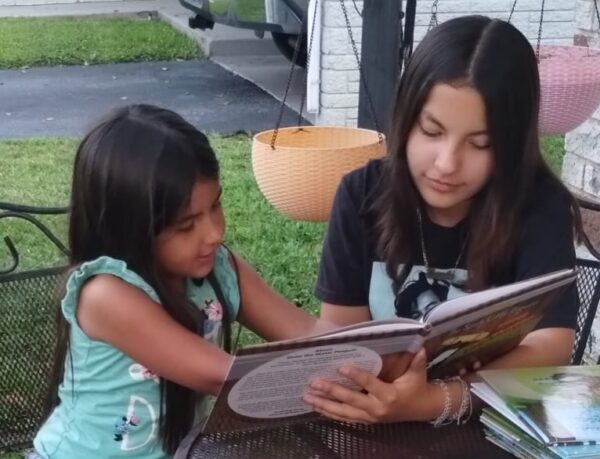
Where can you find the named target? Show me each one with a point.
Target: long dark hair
(495, 59)
(133, 173)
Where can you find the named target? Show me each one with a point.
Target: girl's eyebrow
(431, 118)
(192, 216)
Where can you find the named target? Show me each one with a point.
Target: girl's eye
(481, 146)
(185, 227)
(429, 133)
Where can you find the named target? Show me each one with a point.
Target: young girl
(151, 294)
(463, 201)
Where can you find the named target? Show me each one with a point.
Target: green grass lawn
(28, 42)
(245, 10)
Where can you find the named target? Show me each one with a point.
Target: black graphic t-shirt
(351, 273)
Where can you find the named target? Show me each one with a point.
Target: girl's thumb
(419, 361)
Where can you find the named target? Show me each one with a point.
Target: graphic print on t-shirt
(417, 296)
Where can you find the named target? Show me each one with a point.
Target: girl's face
(448, 152)
(187, 248)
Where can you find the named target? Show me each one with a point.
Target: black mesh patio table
(329, 440)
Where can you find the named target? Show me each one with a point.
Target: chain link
(539, 38)
(434, 19)
(512, 10)
(356, 8)
(597, 13)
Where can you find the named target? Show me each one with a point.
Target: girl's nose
(213, 232)
(447, 159)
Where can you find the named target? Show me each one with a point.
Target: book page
(275, 389)
(360, 329)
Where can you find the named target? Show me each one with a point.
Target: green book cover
(560, 404)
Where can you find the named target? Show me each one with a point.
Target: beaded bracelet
(444, 416)
(465, 403)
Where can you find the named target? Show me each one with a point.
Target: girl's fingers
(336, 410)
(372, 384)
(340, 393)
(340, 418)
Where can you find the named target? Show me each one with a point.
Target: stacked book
(551, 412)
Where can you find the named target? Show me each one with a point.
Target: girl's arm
(344, 315)
(269, 314)
(543, 347)
(113, 311)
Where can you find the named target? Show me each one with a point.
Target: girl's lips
(207, 256)
(441, 186)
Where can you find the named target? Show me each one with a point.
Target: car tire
(286, 43)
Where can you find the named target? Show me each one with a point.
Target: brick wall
(339, 74)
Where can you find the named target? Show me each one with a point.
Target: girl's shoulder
(365, 177)
(549, 197)
(102, 270)
(361, 185)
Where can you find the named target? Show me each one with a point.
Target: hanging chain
(308, 54)
(356, 8)
(539, 38)
(360, 71)
(299, 43)
(512, 10)
(597, 13)
(434, 19)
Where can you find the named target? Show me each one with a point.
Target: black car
(282, 18)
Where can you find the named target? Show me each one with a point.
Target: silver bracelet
(469, 398)
(466, 404)
(444, 416)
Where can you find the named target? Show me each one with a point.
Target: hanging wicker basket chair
(570, 87)
(300, 175)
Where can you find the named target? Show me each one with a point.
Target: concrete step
(222, 40)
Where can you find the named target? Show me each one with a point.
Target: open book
(557, 406)
(266, 382)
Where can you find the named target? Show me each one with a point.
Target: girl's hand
(475, 367)
(407, 398)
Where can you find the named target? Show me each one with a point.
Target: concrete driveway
(63, 101)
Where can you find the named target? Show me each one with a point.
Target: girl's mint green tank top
(110, 404)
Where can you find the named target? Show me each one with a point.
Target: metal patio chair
(27, 333)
